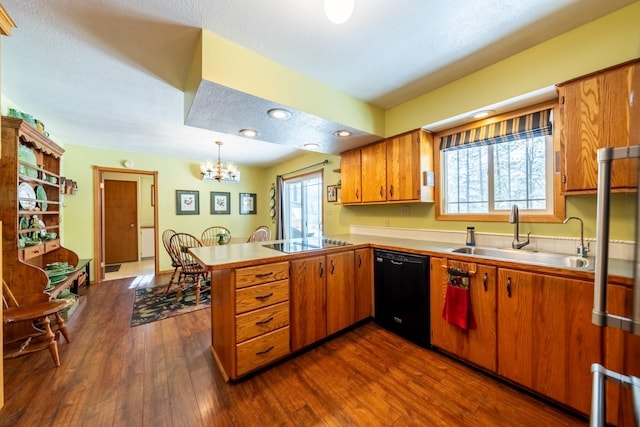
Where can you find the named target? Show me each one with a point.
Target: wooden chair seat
(44, 335)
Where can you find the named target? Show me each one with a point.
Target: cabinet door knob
(333, 267)
(391, 190)
(509, 287)
(321, 269)
(485, 279)
(381, 191)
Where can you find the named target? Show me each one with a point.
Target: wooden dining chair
(191, 272)
(41, 334)
(211, 236)
(175, 261)
(260, 234)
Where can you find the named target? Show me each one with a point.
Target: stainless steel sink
(544, 258)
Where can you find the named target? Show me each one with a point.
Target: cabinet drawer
(262, 350)
(33, 251)
(261, 321)
(261, 274)
(51, 245)
(253, 297)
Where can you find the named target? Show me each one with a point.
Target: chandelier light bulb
(338, 11)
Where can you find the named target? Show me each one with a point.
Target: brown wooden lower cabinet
(363, 283)
(532, 329)
(476, 345)
(328, 294)
(307, 301)
(546, 341)
(340, 291)
(622, 354)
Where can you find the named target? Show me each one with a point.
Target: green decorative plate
(24, 223)
(26, 154)
(57, 279)
(41, 194)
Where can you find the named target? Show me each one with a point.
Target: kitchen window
(489, 166)
(302, 206)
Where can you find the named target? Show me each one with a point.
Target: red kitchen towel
(457, 304)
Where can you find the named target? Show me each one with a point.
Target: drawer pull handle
(265, 296)
(263, 275)
(260, 353)
(321, 269)
(509, 287)
(485, 278)
(333, 267)
(267, 320)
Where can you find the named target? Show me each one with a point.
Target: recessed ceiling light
(312, 146)
(279, 113)
(249, 133)
(342, 133)
(482, 114)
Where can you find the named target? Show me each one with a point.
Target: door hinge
(564, 179)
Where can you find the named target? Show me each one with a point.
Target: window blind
(526, 126)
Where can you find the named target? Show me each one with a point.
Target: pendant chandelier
(211, 171)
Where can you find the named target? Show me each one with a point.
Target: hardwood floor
(162, 374)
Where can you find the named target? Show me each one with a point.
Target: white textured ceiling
(110, 73)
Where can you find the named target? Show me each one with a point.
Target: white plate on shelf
(25, 191)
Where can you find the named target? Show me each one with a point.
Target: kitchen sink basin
(544, 258)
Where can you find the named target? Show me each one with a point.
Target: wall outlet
(386, 222)
(404, 211)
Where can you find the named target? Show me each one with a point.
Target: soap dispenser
(471, 236)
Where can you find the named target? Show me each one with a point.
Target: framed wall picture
(187, 202)
(247, 203)
(332, 193)
(220, 203)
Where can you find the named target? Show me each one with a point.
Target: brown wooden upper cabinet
(374, 172)
(393, 170)
(599, 110)
(351, 180)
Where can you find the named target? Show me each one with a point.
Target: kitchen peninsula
(268, 304)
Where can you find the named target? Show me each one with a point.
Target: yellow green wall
(173, 174)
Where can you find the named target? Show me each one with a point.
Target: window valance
(526, 126)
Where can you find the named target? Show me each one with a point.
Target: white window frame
(304, 214)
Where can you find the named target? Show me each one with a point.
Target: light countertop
(245, 254)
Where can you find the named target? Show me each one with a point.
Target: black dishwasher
(402, 294)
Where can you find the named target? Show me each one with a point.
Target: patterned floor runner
(151, 304)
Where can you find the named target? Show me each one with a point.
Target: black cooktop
(309, 244)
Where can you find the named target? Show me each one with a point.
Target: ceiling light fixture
(312, 146)
(338, 11)
(342, 133)
(250, 133)
(209, 171)
(482, 114)
(279, 113)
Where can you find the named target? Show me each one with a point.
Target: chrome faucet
(582, 250)
(514, 218)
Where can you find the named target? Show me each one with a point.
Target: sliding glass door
(303, 206)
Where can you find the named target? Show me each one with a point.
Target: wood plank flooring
(162, 374)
